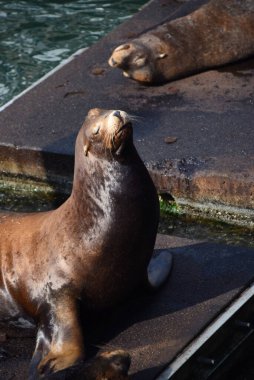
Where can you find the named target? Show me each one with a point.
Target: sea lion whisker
(110, 347)
(135, 117)
(139, 122)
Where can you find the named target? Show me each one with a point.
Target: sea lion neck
(95, 171)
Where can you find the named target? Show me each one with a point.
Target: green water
(35, 36)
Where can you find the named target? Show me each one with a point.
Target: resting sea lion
(219, 32)
(96, 247)
(107, 366)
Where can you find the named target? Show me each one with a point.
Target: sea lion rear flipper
(159, 268)
(59, 339)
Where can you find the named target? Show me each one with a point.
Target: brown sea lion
(96, 247)
(107, 366)
(219, 32)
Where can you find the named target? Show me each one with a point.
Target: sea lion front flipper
(59, 340)
(159, 268)
(37, 356)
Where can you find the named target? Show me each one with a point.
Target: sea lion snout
(118, 114)
(129, 57)
(119, 54)
(117, 120)
(135, 59)
(119, 127)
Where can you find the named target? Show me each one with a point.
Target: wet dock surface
(210, 115)
(155, 328)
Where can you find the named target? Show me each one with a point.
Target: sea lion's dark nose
(118, 115)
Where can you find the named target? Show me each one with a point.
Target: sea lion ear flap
(86, 146)
(86, 143)
(86, 149)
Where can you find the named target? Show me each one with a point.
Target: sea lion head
(139, 59)
(106, 132)
(112, 365)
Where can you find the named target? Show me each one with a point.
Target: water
(35, 36)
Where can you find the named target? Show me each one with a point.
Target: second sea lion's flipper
(159, 267)
(113, 365)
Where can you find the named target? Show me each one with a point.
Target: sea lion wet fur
(219, 32)
(96, 247)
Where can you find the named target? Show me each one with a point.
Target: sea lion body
(59, 247)
(95, 247)
(219, 32)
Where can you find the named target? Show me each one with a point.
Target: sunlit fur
(219, 32)
(95, 248)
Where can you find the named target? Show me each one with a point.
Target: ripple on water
(36, 35)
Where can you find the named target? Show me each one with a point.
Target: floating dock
(209, 169)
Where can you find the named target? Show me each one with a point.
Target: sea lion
(219, 32)
(96, 247)
(107, 366)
